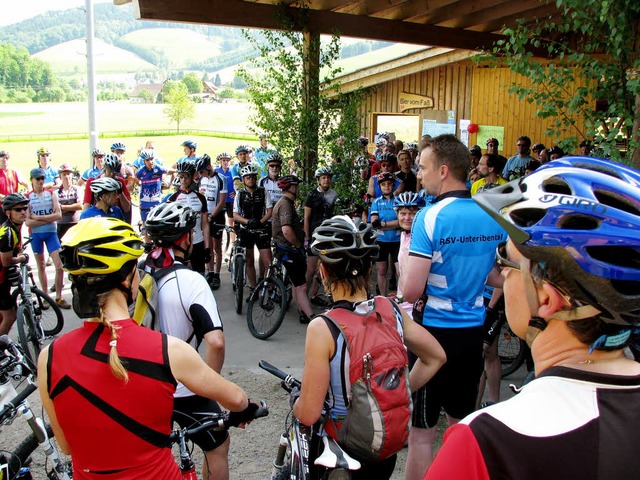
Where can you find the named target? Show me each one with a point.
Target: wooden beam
(412, 8)
(511, 20)
(461, 8)
(490, 14)
(409, 65)
(253, 15)
(368, 7)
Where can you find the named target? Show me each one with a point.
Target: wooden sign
(409, 101)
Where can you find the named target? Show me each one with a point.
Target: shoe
(318, 301)
(49, 262)
(215, 281)
(304, 320)
(45, 306)
(393, 284)
(62, 303)
(52, 288)
(208, 277)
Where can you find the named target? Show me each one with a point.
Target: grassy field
(18, 121)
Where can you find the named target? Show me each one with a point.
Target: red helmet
(288, 181)
(386, 177)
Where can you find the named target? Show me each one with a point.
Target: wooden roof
(462, 24)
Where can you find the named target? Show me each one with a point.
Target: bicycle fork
(40, 432)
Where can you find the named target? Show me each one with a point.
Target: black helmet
(167, 222)
(388, 158)
(112, 163)
(203, 162)
(12, 200)
(274, 158)
(186, 167)
(288, 181)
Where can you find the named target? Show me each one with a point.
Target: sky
(12, 12)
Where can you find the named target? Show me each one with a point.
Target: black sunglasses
(501, 258)
(20, 209)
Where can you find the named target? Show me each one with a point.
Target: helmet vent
(615, 201)
(599, 168)
(578, 222)
(527, 217)
(556, 185)
(627, 257)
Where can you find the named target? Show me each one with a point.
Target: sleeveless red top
(115, 430)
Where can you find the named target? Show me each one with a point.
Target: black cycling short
(217, 224)
(197, 258)
(296, 264)
(262, 241)
(229, 209)
(455, 386)
(6, 302)
(188, 410)
(386, 249)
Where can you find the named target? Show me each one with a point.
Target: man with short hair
(489, 168)
(270, 181)
(493, 146)
(536, 149)
(97, 169)
(150, 178)
(10, 180)
(262, 153)
(189, 147)
(187, 310)
(106, 192)
(515, 166)
(555, 152)
(288, 236)
(15, 206)
(451, 254)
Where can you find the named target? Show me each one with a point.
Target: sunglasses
(20, 209)
(501, 258)
(274, 166)
(39, 179)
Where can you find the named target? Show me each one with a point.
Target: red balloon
(472, 128)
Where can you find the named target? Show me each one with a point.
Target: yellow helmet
(100, 246)
(42, 151)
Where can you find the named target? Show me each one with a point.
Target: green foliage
(192, 82)
(180, 107)
(218, 81)
(595, 48)
(299, 126)
(227, 93)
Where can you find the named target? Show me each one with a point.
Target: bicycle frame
(14, 404)
(296, 444)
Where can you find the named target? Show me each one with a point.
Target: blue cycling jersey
(150, 186)
(460, 239)
(383, 207)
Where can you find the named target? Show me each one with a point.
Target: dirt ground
(252, 450)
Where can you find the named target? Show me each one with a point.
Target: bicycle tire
(511, 350)
(283, 474)
(52, 319)
(266, 308)
(20, 455)
(28, 337)
(238, 268)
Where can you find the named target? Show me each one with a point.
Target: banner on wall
(485, 132)
(408, 101)
(464, 135)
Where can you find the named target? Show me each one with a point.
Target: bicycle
(37, 316)
(299, 444)
(216, 422)
(13, 465)
(238, 266)
(269, 301)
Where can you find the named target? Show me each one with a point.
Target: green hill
(68, 59)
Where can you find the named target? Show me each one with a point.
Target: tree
(218, 81)
(592, 76)
(180, 106)
(192, 82)
(292, 64)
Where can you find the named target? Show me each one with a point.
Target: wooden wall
(450, 87)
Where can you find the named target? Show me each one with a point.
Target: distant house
(145, 93)
(209, 92)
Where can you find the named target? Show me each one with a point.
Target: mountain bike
(238, 267)
(14, 367)
(37, 316)
(216, 422)
(269, 301)
(307, 452)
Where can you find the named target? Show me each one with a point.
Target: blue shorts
(39, 239)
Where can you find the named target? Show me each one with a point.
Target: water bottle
(24, 474)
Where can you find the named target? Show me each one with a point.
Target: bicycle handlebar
(288, 380)
(12, 404)
(217, 422)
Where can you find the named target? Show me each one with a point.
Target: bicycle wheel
(20, 455)
(28, 335)
(51, 319)
(238, 270)
(511, 350)
(266, 308)
(288, 287)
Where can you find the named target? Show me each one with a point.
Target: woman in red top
(108, 386)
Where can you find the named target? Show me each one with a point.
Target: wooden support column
(311, 126)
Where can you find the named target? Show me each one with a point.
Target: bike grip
(5, 341)
(263, 364)
(21, 397)
(262, 411)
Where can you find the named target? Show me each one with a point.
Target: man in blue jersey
(150, 177)
(96, 171)
(452, 253)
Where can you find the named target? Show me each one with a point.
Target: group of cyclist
(562, 242)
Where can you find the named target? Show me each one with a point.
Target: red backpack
(379, 398)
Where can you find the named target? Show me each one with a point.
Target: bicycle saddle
(335, 457)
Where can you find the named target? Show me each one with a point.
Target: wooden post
(310, 117)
